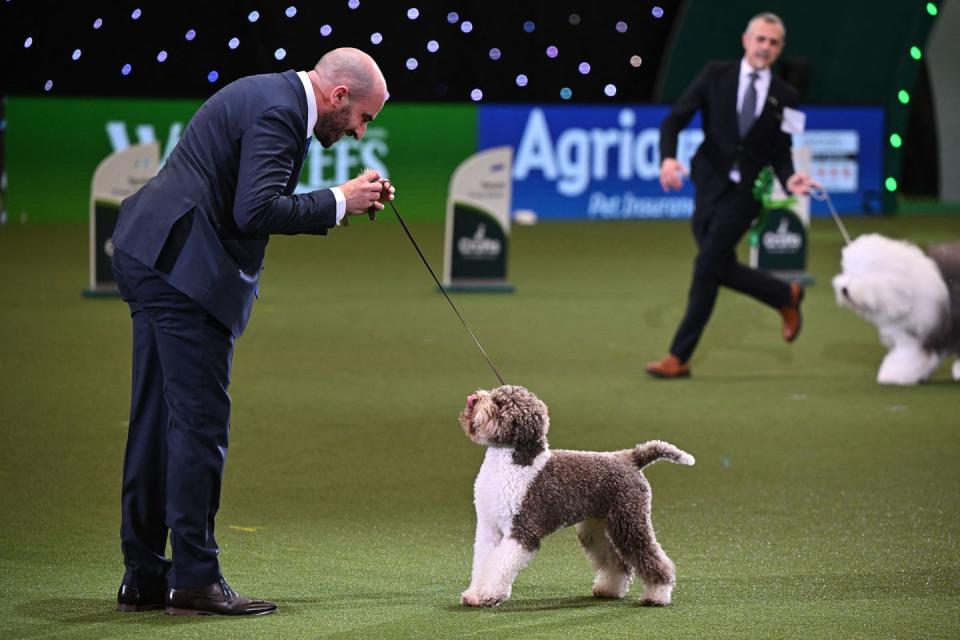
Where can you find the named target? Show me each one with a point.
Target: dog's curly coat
(525, 491)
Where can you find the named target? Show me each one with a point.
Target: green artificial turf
(822, 505)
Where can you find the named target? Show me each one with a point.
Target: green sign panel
(55, 144)
(778, 243)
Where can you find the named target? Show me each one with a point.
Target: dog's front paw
(647, 602)
(897, 379)
(656, 595)
(475, 599)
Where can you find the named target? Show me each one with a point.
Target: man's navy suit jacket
(714, 94)
(204, 220)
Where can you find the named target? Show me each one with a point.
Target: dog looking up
(525, 491)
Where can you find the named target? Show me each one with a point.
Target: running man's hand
(672, 174)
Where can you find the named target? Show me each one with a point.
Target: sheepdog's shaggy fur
(525, 491)
(913, 298)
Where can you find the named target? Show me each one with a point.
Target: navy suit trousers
(178, 432)
(718, 227)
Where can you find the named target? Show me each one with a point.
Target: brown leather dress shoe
(668, 366)
(792, 320)
(140, 598)
(214, 599)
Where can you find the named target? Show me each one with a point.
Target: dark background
(581, 31)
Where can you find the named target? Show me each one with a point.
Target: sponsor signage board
(603, 162)
(570, 161)
(478, 223)
(778, 244)
(416, 146)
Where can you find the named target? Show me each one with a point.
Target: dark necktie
(748, 112)
(306, 150)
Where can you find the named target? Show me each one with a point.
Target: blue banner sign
(603, 163)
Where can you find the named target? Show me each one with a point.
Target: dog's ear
(530, 441)
(525, 421)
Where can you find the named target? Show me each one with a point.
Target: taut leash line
(820, 194)
(444, 292)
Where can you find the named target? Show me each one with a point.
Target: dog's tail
(650, 452)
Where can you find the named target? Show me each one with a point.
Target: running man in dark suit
(742, 108)
(189, 249)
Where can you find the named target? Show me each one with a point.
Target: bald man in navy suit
(189, 249)
(742, 107)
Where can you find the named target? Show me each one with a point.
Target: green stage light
(895, 140)
(903, 96)
(891, 184)
(931, 8)
(915, 53)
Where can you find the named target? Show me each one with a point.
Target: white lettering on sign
(323, 167)
(146, 133)
(782, 240)
(575, 157)
(628, 205)
(479, 246)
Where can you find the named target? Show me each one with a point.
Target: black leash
(444, 292)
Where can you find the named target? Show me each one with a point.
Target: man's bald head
(350, 90)
(353, 69)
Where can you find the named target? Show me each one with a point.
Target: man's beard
(331, 126)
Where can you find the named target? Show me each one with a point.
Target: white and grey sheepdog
(525, 491)
(912, 297)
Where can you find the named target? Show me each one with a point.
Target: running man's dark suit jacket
(714, 94)
(205, 218)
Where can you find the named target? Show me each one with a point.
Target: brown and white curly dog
(525, 491)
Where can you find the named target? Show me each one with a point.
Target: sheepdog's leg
(487, 538)
(956, 370)
(613, 576)
(631, 532)
(906, 364)
(497, 574)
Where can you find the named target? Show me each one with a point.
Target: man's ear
(339, 95)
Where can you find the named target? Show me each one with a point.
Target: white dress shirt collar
(311, 102)
(746, 69)
(311, 123)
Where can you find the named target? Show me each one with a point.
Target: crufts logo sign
(323, 167)
(479, 246)
(783, 239)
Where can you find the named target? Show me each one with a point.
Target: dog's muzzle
(467, 415)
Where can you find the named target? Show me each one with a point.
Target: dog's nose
(471, 400)
(844, 292)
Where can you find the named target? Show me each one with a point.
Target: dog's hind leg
(613, 576)
(631, 532)
(955, 371)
